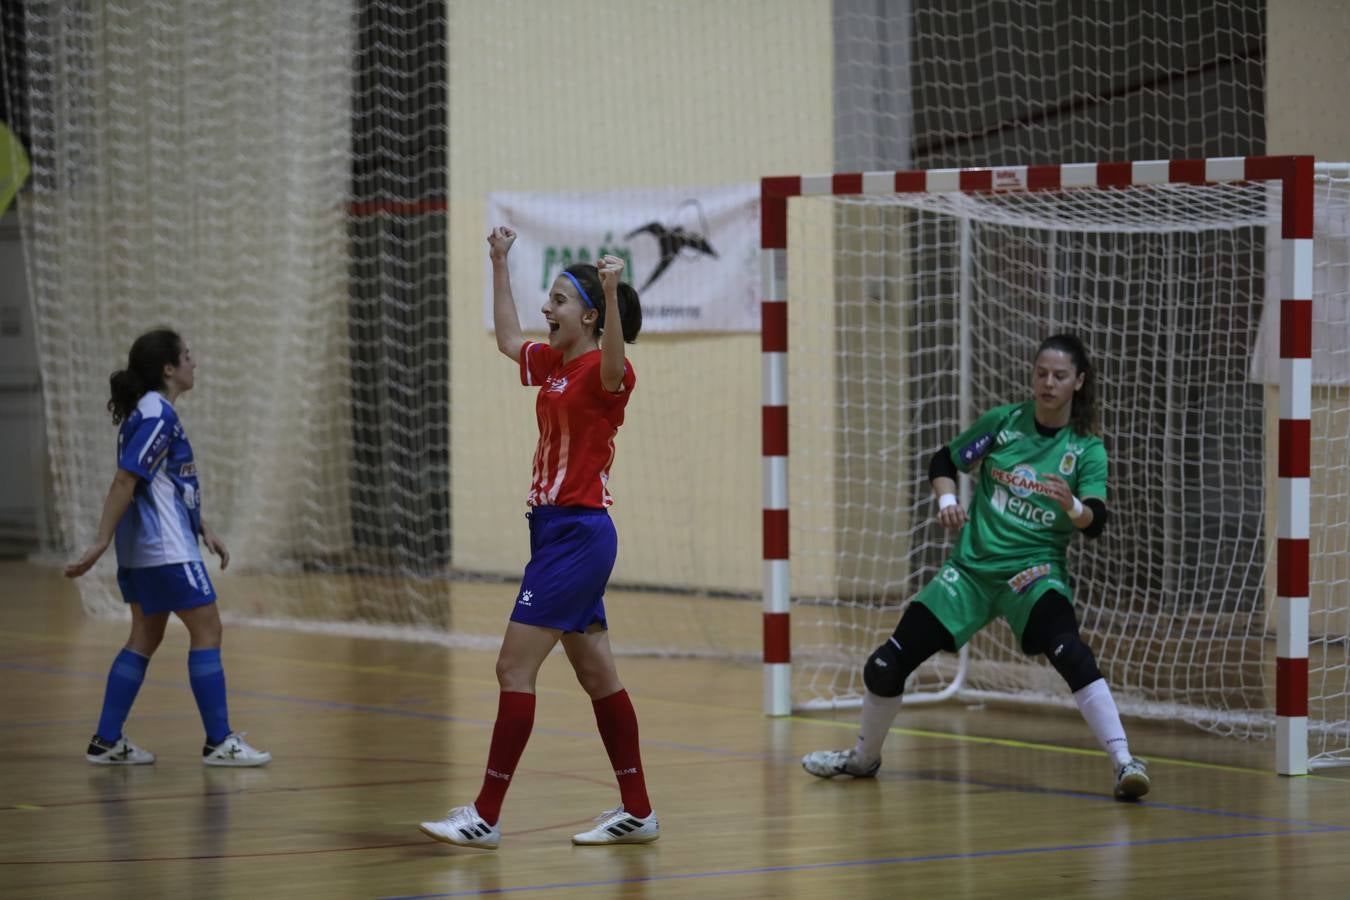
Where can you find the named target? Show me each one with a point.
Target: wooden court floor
(370, 737)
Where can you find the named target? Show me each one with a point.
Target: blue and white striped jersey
(161, 525)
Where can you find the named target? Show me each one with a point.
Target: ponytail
(149, 355)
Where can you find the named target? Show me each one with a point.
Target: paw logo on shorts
(525, 598)
(951, 576)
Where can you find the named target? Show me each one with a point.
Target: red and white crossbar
(1296, 175)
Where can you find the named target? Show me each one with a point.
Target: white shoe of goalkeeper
(829, 763)
(1132, 780)
(618, 827)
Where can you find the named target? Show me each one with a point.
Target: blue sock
(124, 681)
(208, 686)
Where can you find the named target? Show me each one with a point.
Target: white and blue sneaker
(234, 751)
(1132, 780)
(829, 763)
(464, 827)
(121, 752)
(619, 827)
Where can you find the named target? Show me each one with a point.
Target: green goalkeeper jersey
(1014, 523)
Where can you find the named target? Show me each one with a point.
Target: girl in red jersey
(584, 384)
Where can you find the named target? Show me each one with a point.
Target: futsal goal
(898, 306)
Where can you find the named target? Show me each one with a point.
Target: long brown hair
(149, 355)
(1083, 412)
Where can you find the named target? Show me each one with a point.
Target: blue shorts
(572, 552)
(166, 588)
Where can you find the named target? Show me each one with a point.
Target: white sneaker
(464, 827)
(618, 827)
(829, 763)
(234, 751)
(121, 752)
(1132, 780)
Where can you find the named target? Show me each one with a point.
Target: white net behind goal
(924, 311)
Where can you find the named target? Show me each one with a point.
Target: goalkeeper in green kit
(1042, 477)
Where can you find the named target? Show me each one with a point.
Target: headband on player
(585, 298)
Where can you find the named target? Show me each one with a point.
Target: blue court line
(858, 863)
(381, 710)
(693, 748)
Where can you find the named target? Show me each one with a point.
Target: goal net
(912, 313)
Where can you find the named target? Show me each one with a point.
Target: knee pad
(1074, 660)
(885, 671)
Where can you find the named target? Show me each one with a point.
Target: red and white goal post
(920, 295)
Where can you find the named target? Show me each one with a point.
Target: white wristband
(1077, 508)
(945, 501)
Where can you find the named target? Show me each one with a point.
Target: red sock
(511, 731)
(618, 726)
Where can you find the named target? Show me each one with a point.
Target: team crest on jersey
(1067, 463)
(555, 385)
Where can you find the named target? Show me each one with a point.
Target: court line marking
(858, 863)
(1056, 748)
(785, 759)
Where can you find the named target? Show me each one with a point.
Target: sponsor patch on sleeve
(976, 448)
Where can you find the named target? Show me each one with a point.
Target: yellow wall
(607, 95)
(1308, 58)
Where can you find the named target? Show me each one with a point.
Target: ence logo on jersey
(1024, 512)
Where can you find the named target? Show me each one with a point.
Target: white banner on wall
(692, 253)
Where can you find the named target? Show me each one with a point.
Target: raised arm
(504, 319)
(611, 343)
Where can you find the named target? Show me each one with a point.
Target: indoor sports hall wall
(654, 95)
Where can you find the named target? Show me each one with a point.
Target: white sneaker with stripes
(234, 751)
(618, 827)
(1132, 780)
(464, 827)
(121, 752)
(829, 763)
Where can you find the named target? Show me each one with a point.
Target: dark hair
(149, 355)
(630, 310)
(1083, 412)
